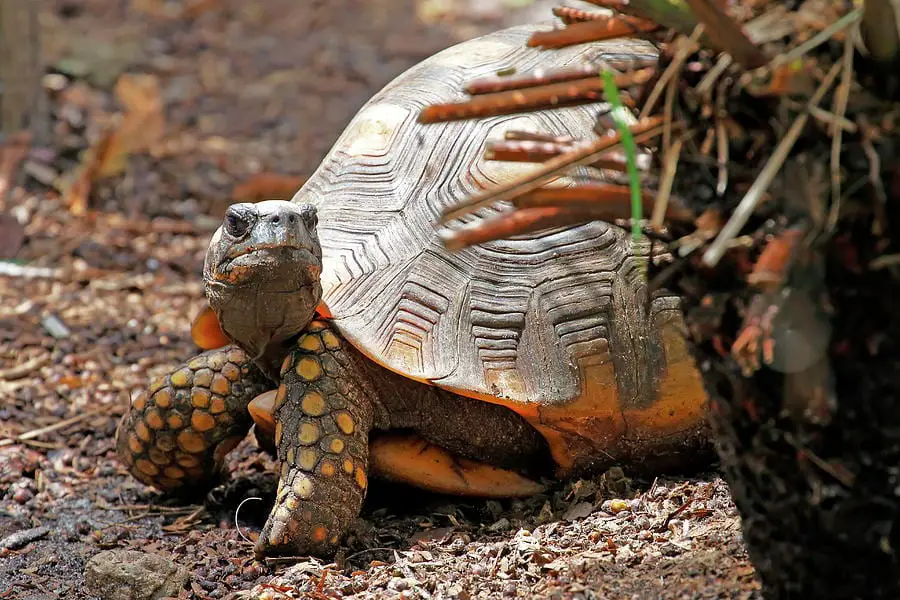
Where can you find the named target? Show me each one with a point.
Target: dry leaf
(11, 154)
(267, 186)
(143, 124)
(12, 236)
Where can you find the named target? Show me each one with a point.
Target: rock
(132, 575)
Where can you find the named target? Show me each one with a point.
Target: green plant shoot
(637, 206)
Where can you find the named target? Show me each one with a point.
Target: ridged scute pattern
(522, 321)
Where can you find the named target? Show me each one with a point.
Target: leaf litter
(101, 292)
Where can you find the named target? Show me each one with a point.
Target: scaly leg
(323, 413)
(177, 433)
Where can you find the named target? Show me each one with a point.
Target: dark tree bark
(22, 102)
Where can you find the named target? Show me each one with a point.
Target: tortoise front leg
(323, 413)
(177, 433)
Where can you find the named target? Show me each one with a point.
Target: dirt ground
(91, 307)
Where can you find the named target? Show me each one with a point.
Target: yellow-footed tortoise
(473, 372)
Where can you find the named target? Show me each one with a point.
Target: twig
(676, 512)
(832, 120)
(841, 474)
(26, 368)
(670, 167)
(721, 146)
(595, 30)
(841, 97)
(642, 131)
(150, 508)
(21, 538)
(10, 269)
(491, 85)
(878, 223)
(50, 428)
(818, 39)
(686, 46)
(726, 34)
(713, 74)
(756, 192)
(534, 98)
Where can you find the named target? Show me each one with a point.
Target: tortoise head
(261, 273)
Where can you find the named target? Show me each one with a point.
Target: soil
(92, 307)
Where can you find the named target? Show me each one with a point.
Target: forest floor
(203, 102)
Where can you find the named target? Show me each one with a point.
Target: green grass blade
(637, 206)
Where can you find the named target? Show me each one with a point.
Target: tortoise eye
(236, 224)
(309, 215)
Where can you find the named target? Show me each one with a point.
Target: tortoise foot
(322, 416)
(176, 434)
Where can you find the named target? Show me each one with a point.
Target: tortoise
(359, 345)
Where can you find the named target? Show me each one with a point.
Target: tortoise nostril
(276, 220)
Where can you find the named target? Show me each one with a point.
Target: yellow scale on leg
(321, 432)
(177, 433)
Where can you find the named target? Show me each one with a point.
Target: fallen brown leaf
(11, 154)
(12, 235)
(267, 186)
(142, 126)
(78, 193)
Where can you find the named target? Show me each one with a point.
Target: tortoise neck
(273, 355)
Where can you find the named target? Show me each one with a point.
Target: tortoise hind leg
(176, 434)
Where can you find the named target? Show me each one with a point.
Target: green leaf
(637, 206)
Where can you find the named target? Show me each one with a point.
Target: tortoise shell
(554, 325)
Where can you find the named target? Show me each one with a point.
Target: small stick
(670, 167)
(609, 201)
(570, 15)
(524, 220)
(726, 34)
(676, 512)
(26, 368)
(595, 30)
(841, 96)
(818, 39)
(534, 136)
(642, 131)
(21, 538)
(536, 98)
(487, 85)
(50, 428)
(721, 147)
(538, 152)
(724, 61)
(525, 150)
(755, 194)
(685, 47)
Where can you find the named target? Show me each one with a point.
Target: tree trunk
(22, 102)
